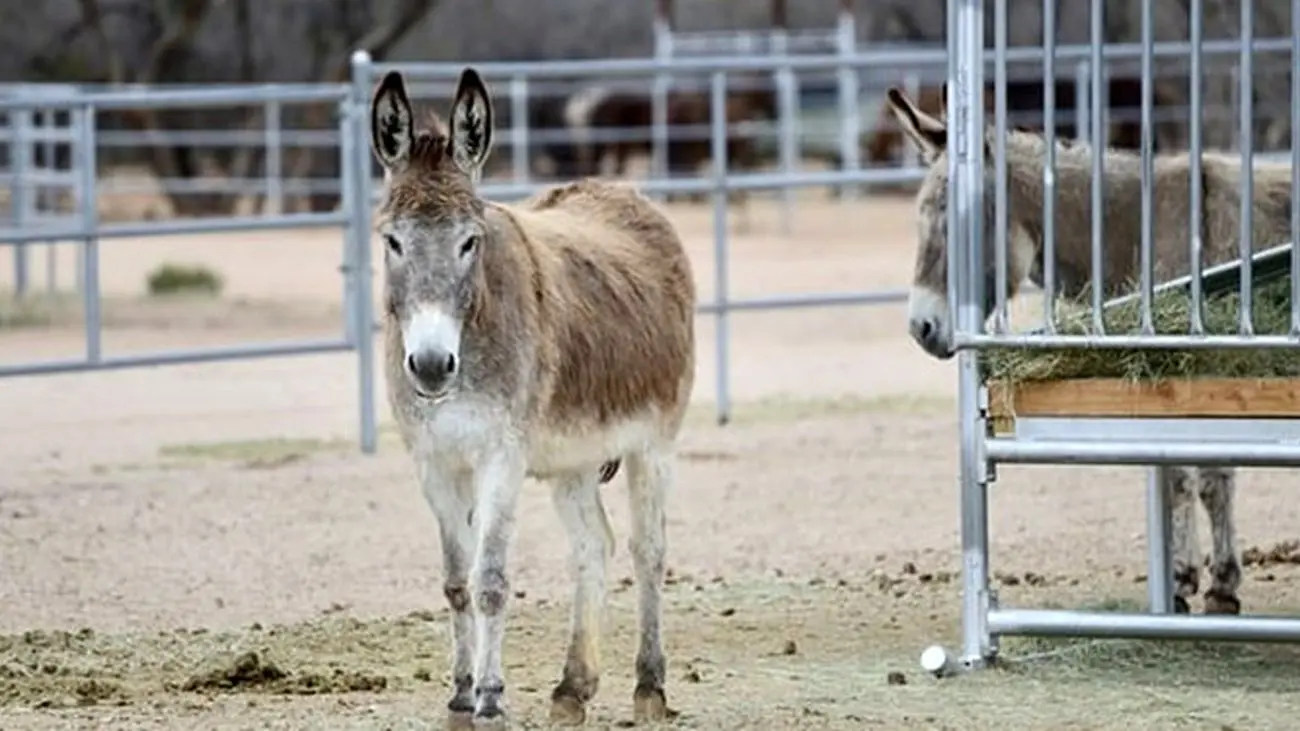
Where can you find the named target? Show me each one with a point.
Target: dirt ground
(203, 546)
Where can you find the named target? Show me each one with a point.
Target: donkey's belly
(552, 453)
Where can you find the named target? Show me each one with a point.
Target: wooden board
(1268, 398)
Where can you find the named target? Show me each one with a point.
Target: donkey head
(929, 320)
(432, 222)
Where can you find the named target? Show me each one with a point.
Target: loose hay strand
(1171, 313)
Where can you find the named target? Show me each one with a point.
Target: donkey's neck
(1025, 197)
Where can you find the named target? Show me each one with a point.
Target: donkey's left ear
(471, 124)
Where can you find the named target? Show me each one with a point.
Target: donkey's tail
(607, 473)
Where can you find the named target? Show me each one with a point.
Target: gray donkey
(932, 329)
(552, 340)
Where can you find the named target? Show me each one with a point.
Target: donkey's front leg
(577, 501)
(1216, 490)
(448, 494)
(496, 488)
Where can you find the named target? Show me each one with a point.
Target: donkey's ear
(392, 127)
(471, 124)
(928, 134)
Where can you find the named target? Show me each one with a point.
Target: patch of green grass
(183, 279)
(253, 454)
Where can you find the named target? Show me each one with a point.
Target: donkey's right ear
(928, 134)
(392, 126)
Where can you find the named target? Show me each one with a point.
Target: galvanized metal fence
(977, 264)
(83, 225)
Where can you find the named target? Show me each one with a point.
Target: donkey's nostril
(410, 364)
(451, 363)
(925, 329)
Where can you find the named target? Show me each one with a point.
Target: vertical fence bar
(20, 161)
(359, 188)
(966, 251)
(1195, 146)
(79, 118)
(90, 221)
(911, 85)
(48, 195)
(659, 102)
(788, 146)
(352, 236)
(780, 46)
(1000, 161)
(1096, 36)
(1082, 75)
(1049, 166)
(1147, 274)
(1246, 135)
(1295, 170)
(274, 141)
(850, 111)
(519, 128)
(718, 142)
(1160, 576)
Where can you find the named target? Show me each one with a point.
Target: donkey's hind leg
(577, 500)
(1216, 488)
(1182, 535)
(649, 477)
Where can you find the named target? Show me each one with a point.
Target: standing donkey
(553, 340)
(1220, 229)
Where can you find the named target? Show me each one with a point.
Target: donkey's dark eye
(393, 244)
(470, 244)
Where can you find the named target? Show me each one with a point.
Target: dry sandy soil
(203, 547)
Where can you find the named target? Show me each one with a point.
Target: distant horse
(884, 143)
(552, 339)
(1220, 227)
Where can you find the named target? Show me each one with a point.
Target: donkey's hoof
(1181, 606)
(567, 711)
(649, 705)
(1216, 603)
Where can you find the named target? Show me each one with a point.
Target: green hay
(1171, 315)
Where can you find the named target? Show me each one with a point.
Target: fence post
(786, 110)
(357, 185)
(850, 109)
(663, 35)
(20, 153)
(274, 142)
(90, 225)
(718, 142)
(519, 129)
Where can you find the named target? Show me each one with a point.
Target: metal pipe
(1196, 144)
(1147, 274)
(134, 229)
(519, 124)
(718, 120)
(1295, 170)
(364, 304)
(1246, 132)
(90, 243)
(582, 68)
(966, 250)
(1049, 166)
(1160, 594)
(1114, 625)
(274, 142)
(176, 357)
(1118, 341)
(1096, 35)
(1000, 323)
(1145, 452)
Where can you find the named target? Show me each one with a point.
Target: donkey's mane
(429, 148)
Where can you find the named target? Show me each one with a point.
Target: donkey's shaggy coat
(554, 340)
(1220, 230)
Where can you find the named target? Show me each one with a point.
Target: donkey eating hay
(1220, 229)
(554, 340)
